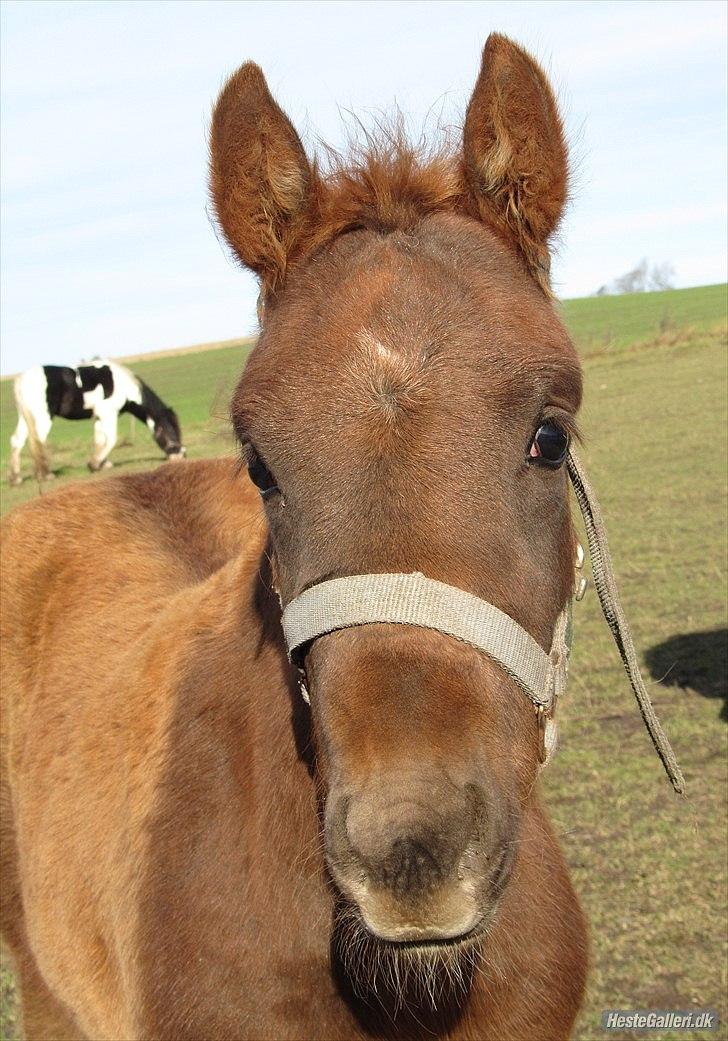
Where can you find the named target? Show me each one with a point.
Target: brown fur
(184, 842)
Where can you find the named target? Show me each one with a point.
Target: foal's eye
(260, 475)
(549, 446)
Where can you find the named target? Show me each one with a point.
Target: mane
(151, 401)
(153, 406)
(386, 182)
(382, 183)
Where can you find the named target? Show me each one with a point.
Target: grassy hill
(650, 868)
(599, 323)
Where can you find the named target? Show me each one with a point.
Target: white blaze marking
(379, 352)
(384, 353)
(387, 374)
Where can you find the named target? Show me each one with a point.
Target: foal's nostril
(411, 850)
(410, 868)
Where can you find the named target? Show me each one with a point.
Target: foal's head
(407, 408)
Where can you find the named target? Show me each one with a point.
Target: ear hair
(514, 152)
(260, 178)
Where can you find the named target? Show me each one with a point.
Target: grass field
(650, 867)
(603, 323)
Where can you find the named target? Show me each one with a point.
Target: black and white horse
(100, 389)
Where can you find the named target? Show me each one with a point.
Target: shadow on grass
(695, 660)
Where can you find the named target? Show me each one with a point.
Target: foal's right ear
(260, 178)
(515, 153)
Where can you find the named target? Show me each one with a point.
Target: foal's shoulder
(203, 492)
(206, 510)
(201, 512)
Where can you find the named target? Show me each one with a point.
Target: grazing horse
(101, 389)
(193, 849)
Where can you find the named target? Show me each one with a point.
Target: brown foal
(190, 851)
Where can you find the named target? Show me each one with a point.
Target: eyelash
(259, 472)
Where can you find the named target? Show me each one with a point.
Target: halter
(413, 599)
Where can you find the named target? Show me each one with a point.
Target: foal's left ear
(260, 178)
(515, 153)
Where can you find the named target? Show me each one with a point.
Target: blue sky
(107, 246)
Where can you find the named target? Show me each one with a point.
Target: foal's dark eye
(260, 475)
(549, 446)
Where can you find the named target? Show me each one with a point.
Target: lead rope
(606, 587)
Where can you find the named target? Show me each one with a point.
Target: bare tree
(662, 276)
(641, 279)
(634, 281)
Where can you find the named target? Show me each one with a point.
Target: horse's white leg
(39, 427)
(17, 442)
(34, 421)
(104, 439)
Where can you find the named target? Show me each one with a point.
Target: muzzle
(413, 599)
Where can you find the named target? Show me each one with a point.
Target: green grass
(649, 866)
(601, 323)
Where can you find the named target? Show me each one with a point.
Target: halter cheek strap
(413, 599)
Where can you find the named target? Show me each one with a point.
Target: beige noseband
(413, 599)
